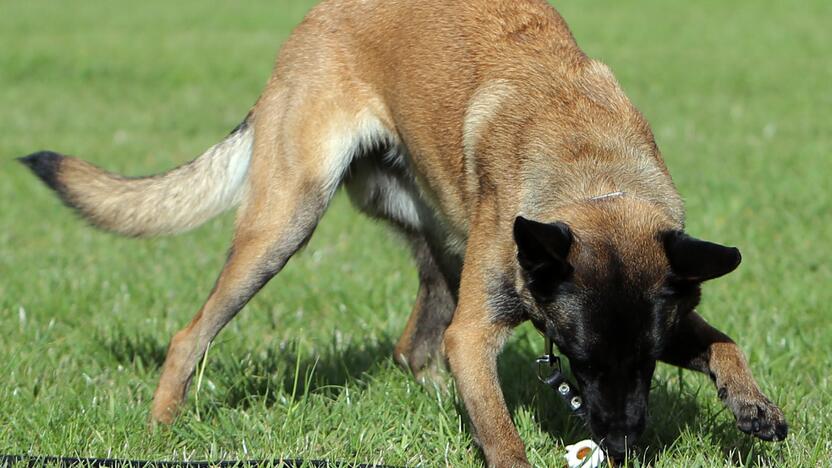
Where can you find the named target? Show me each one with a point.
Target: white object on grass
(584, 454)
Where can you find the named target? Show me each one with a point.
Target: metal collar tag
(556, 379)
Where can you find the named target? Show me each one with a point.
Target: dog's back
(483, 94)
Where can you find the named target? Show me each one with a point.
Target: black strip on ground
(36, 461)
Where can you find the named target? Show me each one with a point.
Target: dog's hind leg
(419, 348)
(701, 347)
(382, 186)
(302, 149)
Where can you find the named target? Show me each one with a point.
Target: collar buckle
(549, 360)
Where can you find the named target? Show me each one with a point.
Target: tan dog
(451, 120)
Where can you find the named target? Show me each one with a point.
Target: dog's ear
(697, 260)
(541, 252)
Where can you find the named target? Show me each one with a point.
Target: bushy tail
(175, 201)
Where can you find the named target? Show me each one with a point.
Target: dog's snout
(617, 443)
(618, 438)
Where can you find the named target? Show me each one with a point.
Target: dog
(528, 185)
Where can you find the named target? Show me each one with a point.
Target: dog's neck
(548, 189)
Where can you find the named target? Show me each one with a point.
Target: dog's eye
(679, 294)
(670, 291)
(676, 287)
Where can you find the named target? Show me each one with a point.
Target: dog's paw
(760, 418)
(517, 461)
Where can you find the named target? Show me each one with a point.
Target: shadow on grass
(128, 348)
(288, 373)
(285, 372)
(273, 373)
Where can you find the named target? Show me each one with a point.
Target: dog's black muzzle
(616, 431)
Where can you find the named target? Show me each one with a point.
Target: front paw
(510, 462)
(759, 417)
(501, 455)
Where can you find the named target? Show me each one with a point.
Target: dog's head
(610, 288)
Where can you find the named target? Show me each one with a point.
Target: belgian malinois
(528, 184)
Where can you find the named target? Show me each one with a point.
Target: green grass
(740, 100)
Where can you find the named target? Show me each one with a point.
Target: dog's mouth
(618, 444)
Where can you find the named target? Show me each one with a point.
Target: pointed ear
(697, 260)
(541, 252)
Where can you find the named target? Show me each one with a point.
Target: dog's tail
(168, 203)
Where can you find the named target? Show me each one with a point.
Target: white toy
(584, 454)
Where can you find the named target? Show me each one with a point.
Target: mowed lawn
(740, 98)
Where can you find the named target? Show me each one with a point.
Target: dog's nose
(617, 443)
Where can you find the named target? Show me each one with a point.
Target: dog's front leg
(699, 346)
(471, 344)
(471, 347)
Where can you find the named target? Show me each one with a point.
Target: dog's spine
(168, 203)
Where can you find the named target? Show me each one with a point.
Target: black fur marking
(541, 252)
(697, 260)
(506, 305)
(242, 125)
(621, 315)
(46, 165)
(436, 305)
(611, 327)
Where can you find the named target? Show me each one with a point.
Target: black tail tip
(45, 164)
